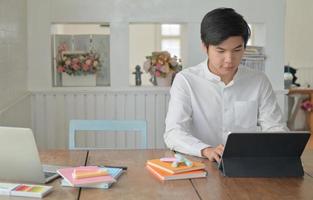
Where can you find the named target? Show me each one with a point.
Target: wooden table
(216, 186)
(307, 161)
(309, 92)
(61, 158)
(138, 183)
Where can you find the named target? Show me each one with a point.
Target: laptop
(20, 159)
(263, 154)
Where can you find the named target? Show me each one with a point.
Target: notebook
(114, 172)
(19, 157)
(66, 173)
(164, 176)
(167, 166)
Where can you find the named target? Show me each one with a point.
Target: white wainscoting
(18, 113)
(52, 110)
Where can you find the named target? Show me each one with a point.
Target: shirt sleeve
(178, 121)
(270, 115)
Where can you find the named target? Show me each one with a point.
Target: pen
(124, 168)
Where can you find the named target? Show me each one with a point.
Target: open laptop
(264, 154)
(20, 159)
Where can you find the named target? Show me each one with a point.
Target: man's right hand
(213, 153)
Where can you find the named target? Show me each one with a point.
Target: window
(80, 54)
(171, 39)
(257, 37)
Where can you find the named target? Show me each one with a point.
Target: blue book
(114, 172)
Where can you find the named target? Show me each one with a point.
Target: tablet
(264, 154)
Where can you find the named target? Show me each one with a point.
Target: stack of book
(254, 58)
(165, 171)
(90, 176)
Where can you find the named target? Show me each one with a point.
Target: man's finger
(217, 157)
(211, 157)
(219, 152)
(221, 147)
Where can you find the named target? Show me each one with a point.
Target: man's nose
(228, 57)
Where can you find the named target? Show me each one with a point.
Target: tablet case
(263, 154)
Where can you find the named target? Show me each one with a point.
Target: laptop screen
(19, 156)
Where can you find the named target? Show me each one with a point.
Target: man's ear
(204, 48)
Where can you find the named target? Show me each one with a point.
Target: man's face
(225, 58)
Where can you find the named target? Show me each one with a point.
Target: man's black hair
(222, 23)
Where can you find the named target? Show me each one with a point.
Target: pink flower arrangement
(74, 63)
(161, 64)
(307, 105)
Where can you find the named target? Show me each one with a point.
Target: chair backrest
(106, 125)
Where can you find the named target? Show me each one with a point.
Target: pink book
(66, 173)
(86, 168)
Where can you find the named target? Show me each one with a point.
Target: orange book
(79, 175)
(167, 166)
(164, 176)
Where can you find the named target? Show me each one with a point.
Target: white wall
(299, 33)
(41, 13)
(142, 39)
(83, 29)
(18, 113)
(298, 39)
(13, 64)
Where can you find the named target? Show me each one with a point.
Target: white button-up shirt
(203, 110)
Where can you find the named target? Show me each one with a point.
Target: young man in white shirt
(217, 96)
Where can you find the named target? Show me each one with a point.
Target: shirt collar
(209, 75)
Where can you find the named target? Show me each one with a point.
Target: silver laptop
(19, 157)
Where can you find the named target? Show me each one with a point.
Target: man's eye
(220, 51)
(237, 50)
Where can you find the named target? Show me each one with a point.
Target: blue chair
(106, 125)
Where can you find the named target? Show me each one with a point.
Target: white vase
(82, 80)
(164, 81)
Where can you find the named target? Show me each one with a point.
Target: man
(217, 96)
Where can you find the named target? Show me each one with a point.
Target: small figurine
(137, 73)
(178, 159)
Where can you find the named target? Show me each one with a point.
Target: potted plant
(162, 67)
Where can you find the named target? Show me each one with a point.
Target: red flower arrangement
(76, 63)
(307, 105)
(161, 64)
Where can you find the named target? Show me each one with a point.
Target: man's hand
(213, 153)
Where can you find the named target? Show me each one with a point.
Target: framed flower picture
(78, 54)
(78, 63)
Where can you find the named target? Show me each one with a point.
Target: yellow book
(88, 172)
(167, 166)
(79, 175)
